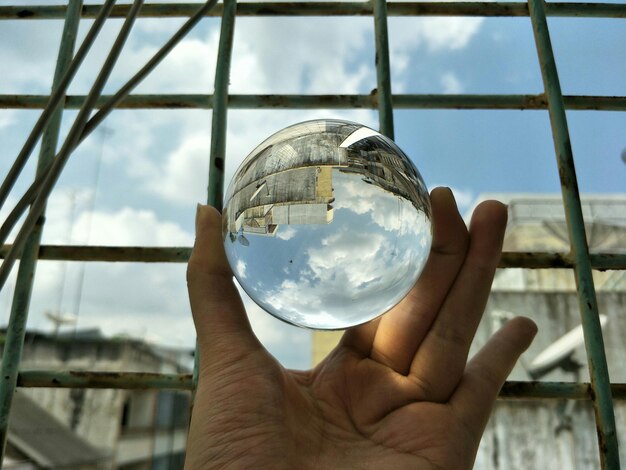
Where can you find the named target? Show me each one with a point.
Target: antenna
(558, 354)
(59, 319)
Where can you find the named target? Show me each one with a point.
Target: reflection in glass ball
(327, 224)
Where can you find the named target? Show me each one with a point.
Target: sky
(138, 178)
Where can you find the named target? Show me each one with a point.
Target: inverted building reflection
(290, 180)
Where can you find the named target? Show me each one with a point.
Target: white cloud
(286, 233)
(451, 84)
(189, 68)
(28, 55)
(356, 274)
(256, 68)
(435, 35)
(70, 220)
(146, 301)
(324, 55)
(389, 213)
(183, 178)
(352, 269)
(131, 227)
(132, 298)
(240, 269)
(7, 118)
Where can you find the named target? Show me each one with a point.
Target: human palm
(396, 393)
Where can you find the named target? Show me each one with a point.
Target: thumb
(218, 311)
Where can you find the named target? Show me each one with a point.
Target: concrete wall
(552, 433)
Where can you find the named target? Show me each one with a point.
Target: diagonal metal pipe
(70, 143)
(53, 104)
(105, 109)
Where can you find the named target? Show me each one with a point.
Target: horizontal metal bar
(110, 253)
(400, 101)
(140, 380)
(87, 379)
(541, 260)
(171, 10)
(571, 390)
(171, 254)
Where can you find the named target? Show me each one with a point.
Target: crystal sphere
(326, 224)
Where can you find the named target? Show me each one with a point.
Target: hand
(396, 393)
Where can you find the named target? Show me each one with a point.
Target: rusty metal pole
(383, 69)
(217, 155)
(16, 328)
(579, 251)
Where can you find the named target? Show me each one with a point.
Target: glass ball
(326, 224)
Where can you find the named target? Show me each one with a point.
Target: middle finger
(402, 329)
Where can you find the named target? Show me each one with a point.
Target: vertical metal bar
(70, 143)
(55, 99)
(383, 70)
(594, 343)
(21, 299)
(220, 106)
(217, 157)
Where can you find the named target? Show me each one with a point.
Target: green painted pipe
(594, 343)
(175, 10)
(140, 380)
(220, 106)
(400, 101)
(16, 328)
(173, 254)
(383, 70)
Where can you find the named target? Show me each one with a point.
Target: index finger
(217, 308)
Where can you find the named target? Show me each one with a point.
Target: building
(294, 196)
(548, 433)
(289, 178)
(99, 428)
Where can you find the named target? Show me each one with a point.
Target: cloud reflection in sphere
(327, 224)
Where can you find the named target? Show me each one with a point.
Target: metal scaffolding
(27, 249)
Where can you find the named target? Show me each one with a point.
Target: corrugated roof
(46, 440)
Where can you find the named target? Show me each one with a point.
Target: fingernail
(451, 197)
(197, 214)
